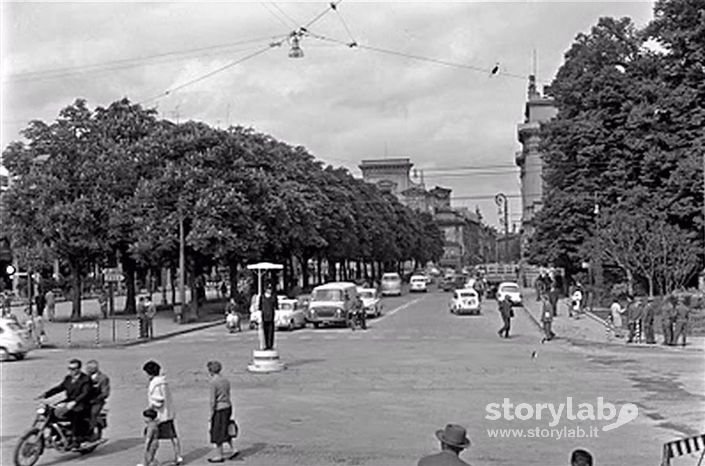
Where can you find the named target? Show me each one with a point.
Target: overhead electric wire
(279, 18)
(345, 25)
(331, 6)
(410, 56)
(125, 62)
(293, 21)
(211, 73)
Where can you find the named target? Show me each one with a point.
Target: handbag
(233, 428)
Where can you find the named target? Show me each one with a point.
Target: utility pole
(182, 271)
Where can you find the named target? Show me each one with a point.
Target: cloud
(344, 104)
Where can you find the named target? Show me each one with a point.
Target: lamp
(295, 51)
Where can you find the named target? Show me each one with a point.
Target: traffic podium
(264, 361)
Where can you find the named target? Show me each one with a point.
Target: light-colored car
(14, 341)
(371, 302)
(465, 301)
(418, 283)
(255, 313)
(289, 315)
(510, 289)
(332, 303)
(391, 284)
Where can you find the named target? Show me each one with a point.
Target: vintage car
(371, 302)
(453, 282)
(465, 301)
(289, 315)
(14, 341)
(512, 290)
(418, 283)
(332, 304)
(391, 284)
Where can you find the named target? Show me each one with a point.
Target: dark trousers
(680, 330)
(79, 423)
(649, 332)
(548, 332)
(149, 327)
(95, 411)
(667, 332)
(504, 331)
(554, 305)
(268, 329)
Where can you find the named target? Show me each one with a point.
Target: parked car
(512, 290)
(371, 302)
(332, 303)
(418, 283)
(391, 284)
(289, 315)
(14, 340)
(465, 301)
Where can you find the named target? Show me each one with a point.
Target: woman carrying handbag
(222, 428)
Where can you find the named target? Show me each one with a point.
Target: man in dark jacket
(547, 318)
(78, 388)
(268, 305)
(682, 316)
(453, 440)
(505, 310)
(100, 392)
(649, 315)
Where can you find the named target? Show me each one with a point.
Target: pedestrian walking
(50, 300)
(221, 410)
(634, 312)
(616, 312)
(682, 316)
(506, 311)
(668, 318)
(159, 398)
(223, 289)
(149, 313)
(103, 303)
(547, 319)
(268, 305)
(553, 296)
(40, 303)
(453, 441)
(142, 316)
(649, 315)
(580, 457)
(151, 438)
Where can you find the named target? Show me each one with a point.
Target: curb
(128, 344)
(596, 318)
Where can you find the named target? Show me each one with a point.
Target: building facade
(538, 109)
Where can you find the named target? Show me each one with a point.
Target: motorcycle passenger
(77, 387)
(99, 394)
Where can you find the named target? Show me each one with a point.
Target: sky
(342, 103)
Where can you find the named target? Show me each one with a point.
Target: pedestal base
(265, 361)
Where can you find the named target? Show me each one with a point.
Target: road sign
(113, 275)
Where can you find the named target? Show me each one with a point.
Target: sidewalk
(590, 327)
(120, 330)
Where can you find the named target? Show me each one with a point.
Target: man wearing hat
(268, 305)
(453, 440)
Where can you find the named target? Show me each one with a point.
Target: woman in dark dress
(221, 412)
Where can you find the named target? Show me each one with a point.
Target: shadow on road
(107, 449)
(250, 451)
(198, 453)
(302, 362)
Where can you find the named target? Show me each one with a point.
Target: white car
(391, 284)
(14, 341)
(289, 315)
(465, 301)
(255, 313)
(370, 301)
(510, 289)
(418, 283)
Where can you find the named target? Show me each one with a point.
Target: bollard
(97, 333)
(68, 334)
(113, 328)
(129, 324)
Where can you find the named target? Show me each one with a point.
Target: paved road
(376, 397)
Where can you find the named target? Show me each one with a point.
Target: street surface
(376, 397)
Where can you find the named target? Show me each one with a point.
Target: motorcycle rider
(358, 314)
(77, 387)
(99, 394)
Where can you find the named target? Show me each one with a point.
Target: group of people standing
(639, 315)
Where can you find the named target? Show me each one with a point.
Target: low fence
(99, 332)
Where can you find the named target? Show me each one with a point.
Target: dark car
(453, 282)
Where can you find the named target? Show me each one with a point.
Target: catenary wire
(293, 21)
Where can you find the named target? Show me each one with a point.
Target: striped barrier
(683, 447)
(83, 326)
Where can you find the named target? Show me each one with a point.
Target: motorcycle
(357, 318)
(49, 430)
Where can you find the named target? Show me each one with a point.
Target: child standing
(151, 438)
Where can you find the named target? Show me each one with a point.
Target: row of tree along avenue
(623, 159)
(117, 184)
